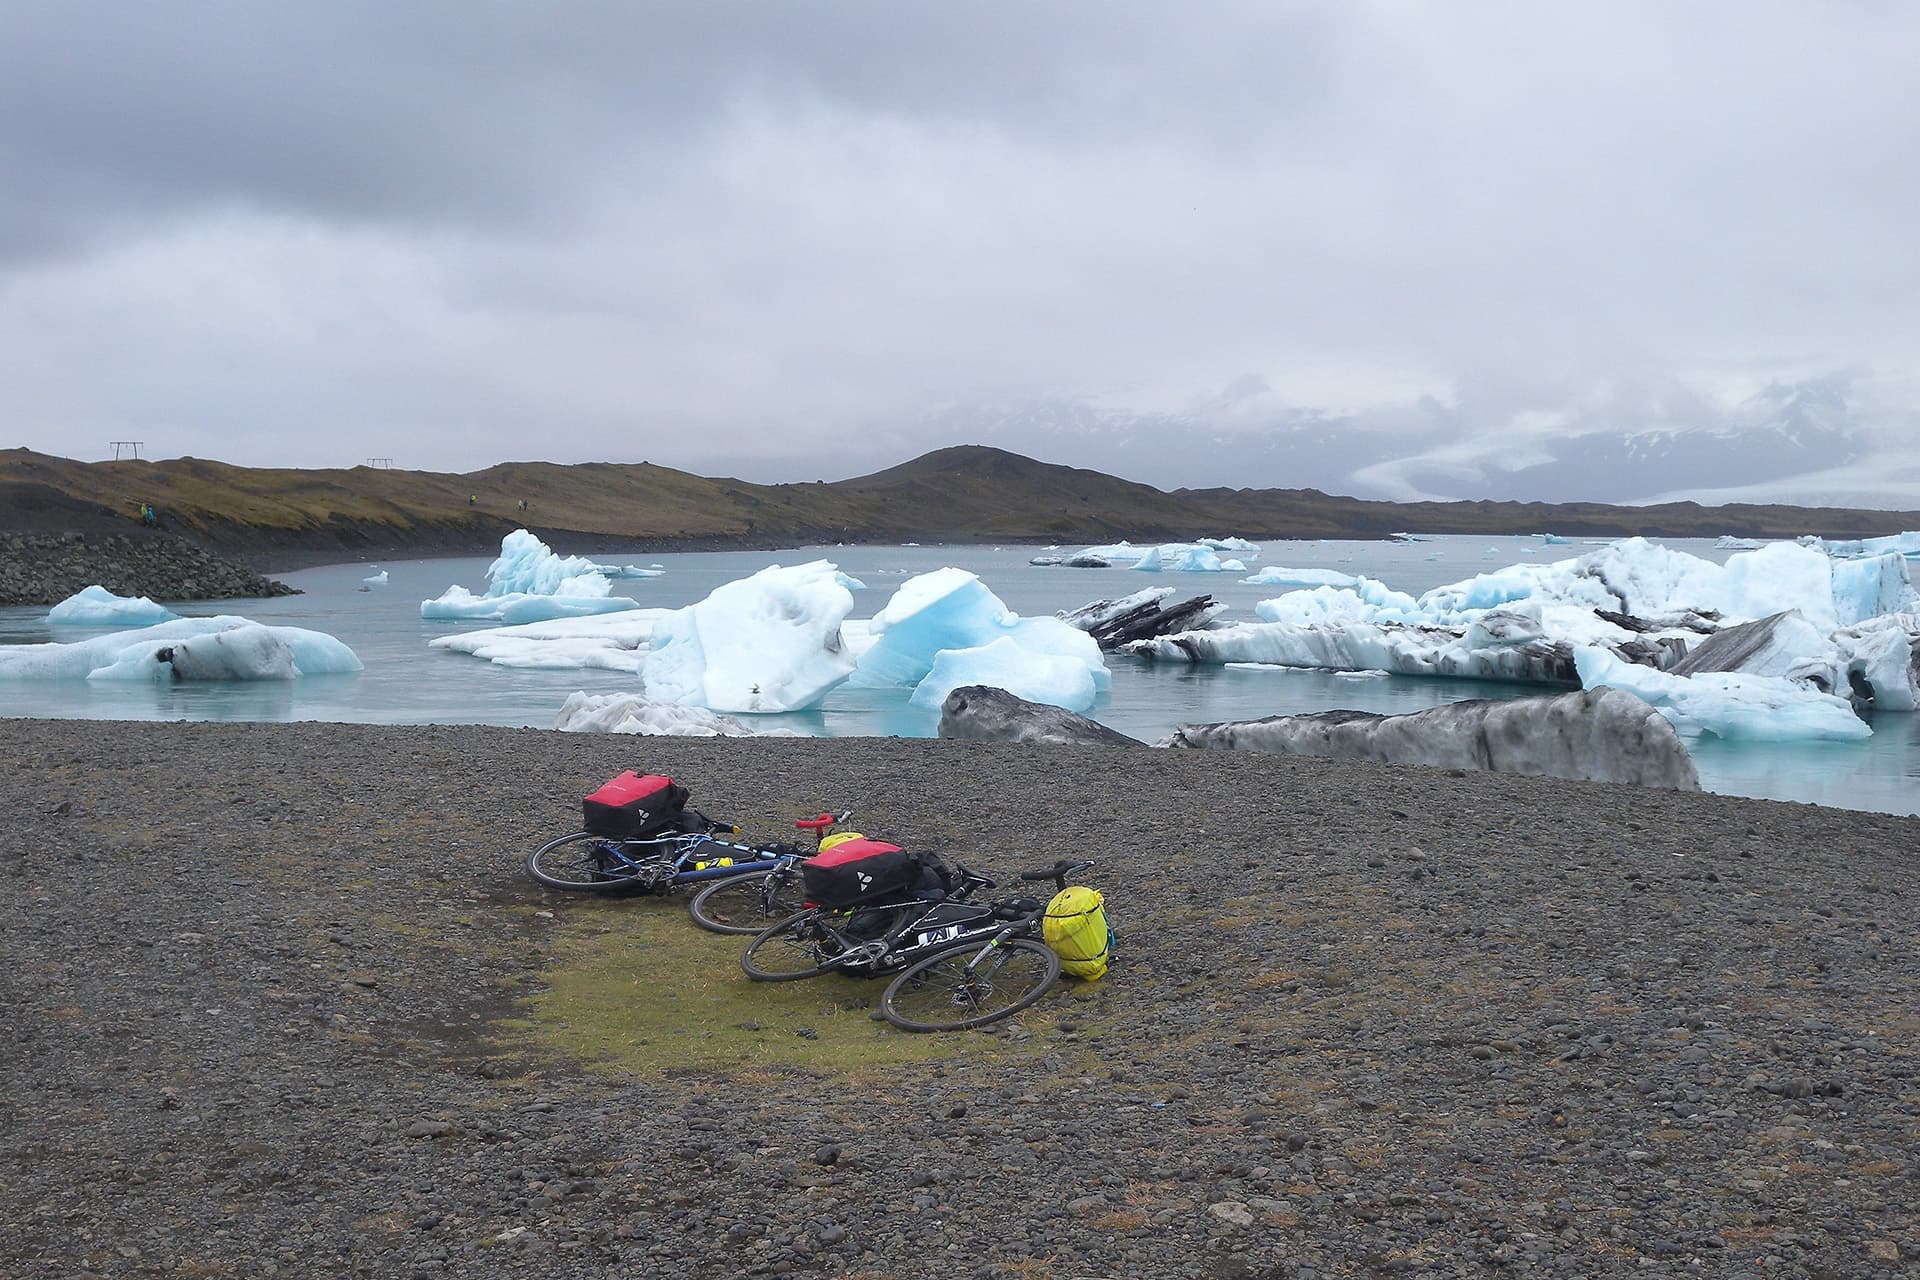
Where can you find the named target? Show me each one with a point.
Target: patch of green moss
(636, 988)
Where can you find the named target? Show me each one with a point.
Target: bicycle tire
(743, 903)
(568, 863)
(789, 949)
(938, 994)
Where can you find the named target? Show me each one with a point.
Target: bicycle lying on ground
(960, 963)
(740, 888)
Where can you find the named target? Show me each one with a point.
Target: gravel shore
(271, 995)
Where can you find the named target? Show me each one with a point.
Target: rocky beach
(280, 1001)
(47, 567)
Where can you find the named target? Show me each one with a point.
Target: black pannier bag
(856, 871)
(632, 806)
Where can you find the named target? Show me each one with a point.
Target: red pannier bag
(633, 805)
(857, 871)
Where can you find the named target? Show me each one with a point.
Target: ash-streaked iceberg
(1604, 735)
(96, 606)
(1727, 704)
(769, 642)
(527, 582)
(632, 713)
(1113, 624)
(181, 649)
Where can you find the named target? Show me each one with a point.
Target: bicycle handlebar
(1057, 873)
(820, 822)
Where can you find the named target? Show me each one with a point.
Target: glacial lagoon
(406, 682)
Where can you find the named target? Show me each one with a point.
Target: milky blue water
(405, 682)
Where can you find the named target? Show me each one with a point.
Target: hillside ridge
(962, 493)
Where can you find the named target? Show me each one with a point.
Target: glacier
(185, 648)
(96, 606)
(768, 642)
(527, 582)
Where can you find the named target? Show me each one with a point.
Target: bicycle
(741, 888)
(921, 938)
(967, 984)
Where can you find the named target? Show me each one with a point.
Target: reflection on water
(405, 682)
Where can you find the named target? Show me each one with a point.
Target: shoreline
(281, 997)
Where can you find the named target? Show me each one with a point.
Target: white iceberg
(626, 570)
(527, 582)
(1900, 544)
(770, 642)
(1279, 576)
(609, 642)
(96, 606)
(632, 713)
(1732, 705)
(1185, 557)
(376, 580)
(1230, 544)
(176, 649)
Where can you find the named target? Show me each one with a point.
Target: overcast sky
(727, 236)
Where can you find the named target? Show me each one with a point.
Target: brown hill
(965, 493)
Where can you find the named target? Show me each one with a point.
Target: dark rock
(983, 713)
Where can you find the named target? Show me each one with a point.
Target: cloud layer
(747, 237)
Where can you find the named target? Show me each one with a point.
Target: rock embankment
(46, 568)
(279, 1001)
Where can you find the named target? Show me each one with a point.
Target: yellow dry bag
(1076, 928)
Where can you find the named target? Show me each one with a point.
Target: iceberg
(377, 580)
(1872, 586)
(1007, 664)
(985, 714)
(1230, 544)
(626, 570)
(1732, 705)
(1115, 623)
(96, 606)
(1278, 576)
(1604, 735)
(1356, 600)
(1785, 646)
(177, 650)
(951, 611)
(527, 582)
(1882, 658)
(610, 642)
(769, 642)
(631, 713)
(459, 604)
(1185, 557)
(1898, 544)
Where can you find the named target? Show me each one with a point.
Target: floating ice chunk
(1884, 654)
(1362, 599)
(610, 642)
(96, 606)
(460, 604)
(1785, 646)
(1363, 646)
(1871, 586)
(626, 571)
(377, 580)
(1727, 543)
(248, 652)
(1230, 544)
(632, 713)
(1007, 664)
(1091, 617)
(951, 609)
(1279, 576)
(1900, 544)
(1552, 540)
(1185, 557)
(125, 655)
(1777, 577)
(770, 642)
(1727, 704)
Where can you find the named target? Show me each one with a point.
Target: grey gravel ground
(1366, 1021)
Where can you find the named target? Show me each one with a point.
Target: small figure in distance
(472, 498)
(523, 504)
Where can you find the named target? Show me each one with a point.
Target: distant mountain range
(1810, 442)
(964, 493)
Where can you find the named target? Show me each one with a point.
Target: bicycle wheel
(747, 903)
(940, 993)
(801, 946)
(581, 862)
